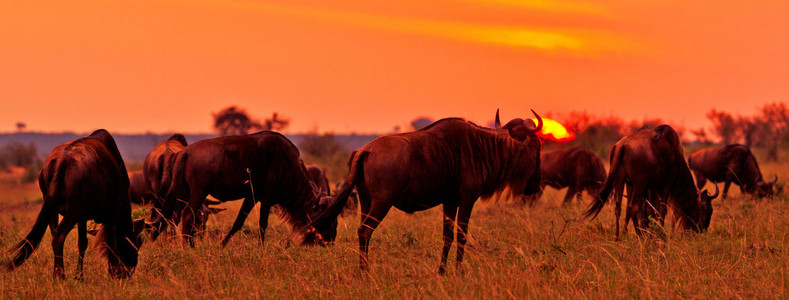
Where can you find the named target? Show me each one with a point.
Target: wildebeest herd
(451, 163)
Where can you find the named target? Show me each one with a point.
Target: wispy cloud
(550, 5)
(574, 41)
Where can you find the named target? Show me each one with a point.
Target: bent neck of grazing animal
(685, 198)
(296, 197)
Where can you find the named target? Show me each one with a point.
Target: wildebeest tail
(26, 247)
(602, 197)
(338, 204)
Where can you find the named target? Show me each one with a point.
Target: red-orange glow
(554, 131)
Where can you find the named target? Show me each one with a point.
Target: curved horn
(539, 123)
(774, 180)
(713, 196)
(497, 123)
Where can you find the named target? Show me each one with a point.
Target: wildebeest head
(765, 189)
(121, 263)
(525, 132)
(323, 235)
(705, 208)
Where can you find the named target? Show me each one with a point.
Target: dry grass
(514, 252)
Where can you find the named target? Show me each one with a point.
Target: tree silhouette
(723, 125)
(233, 121)
(776, 118)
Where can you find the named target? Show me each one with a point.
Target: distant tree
(236, 121)
(275, 123)
(776, 118)
(420, 123)
(701, 135)
(723, 125)
(20, 126)
(233, 121)
(749, 128)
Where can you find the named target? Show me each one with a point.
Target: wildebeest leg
(568, 198)
(726, 186)
(618, 209)
(82, 244)
(450, 212)
(637, 209)
(263, 223)
(246, 208)
(371, 217)
(464, 213)
(189, 215)
(58, 238)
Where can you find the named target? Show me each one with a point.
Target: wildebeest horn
(497, 123)
(774, 180)
(539, 123)
(713, 196)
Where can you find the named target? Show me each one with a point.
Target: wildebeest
(651, 164)
(262, 167)
(451, 163)
(83, 180)
(732, 163)
(140, 192)
(576, 168)
(157, 163)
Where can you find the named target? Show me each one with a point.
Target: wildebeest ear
(516, 129)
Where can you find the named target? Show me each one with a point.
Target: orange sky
(366, 66)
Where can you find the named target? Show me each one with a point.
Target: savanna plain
(514, 251)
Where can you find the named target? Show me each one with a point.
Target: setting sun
(554, 131)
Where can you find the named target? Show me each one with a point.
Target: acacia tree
(776, 119)
(723, 125)
(235, 121)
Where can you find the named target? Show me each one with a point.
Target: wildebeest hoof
(442, 270)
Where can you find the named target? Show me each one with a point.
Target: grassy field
(515, 251)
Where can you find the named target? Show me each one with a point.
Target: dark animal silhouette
(263, 167)
(576, 168)
(732, 163)
(157, 163)
(140, 192)
(652, 165)
(451, 163)
(83, 180)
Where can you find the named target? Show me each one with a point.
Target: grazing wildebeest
(159, 162)
(83, 180)
(451, 163)
(262, 167)
(732, 163)
(652, 166)
(140, 192)
(576, 168)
